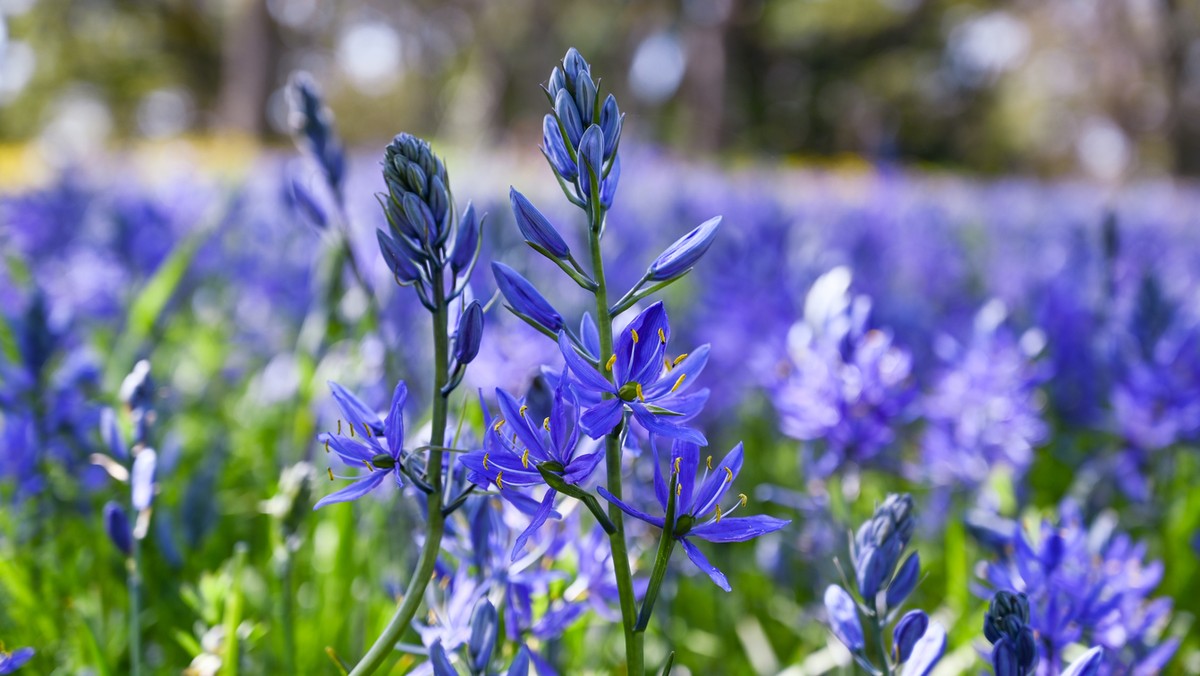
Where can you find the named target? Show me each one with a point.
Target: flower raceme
(646, 381)
(366, 440)
(697, 508)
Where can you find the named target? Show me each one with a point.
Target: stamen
(330, 470)
(485, 461)
(500, 480)
(525, 459)
(680, 358)
(339, 425)
(611, 360)
(326, 445)
(498, 424)
(351, 426)
(678, 490)
(667, 363)
(743, 499)
(708, 462)
(662, 337)
(638, 388)
(546, 424)
(369, 466)
(524, 407)
(718, 514)
(728, 474)
(633, 332)
(677, 461)
(678, 382)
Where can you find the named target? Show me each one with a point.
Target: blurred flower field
(1022, 357)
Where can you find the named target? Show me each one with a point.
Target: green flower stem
(612, 457)
(385, 644)
(134, 564)
(665, 545)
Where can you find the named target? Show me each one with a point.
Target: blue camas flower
(877, 548)
(843, 618)
(581, 135)
(312, 126)
(522, 452)
(10, 662)
(647, 382)
(366, 440)
(698, 510)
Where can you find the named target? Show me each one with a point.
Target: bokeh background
(960, 257)
(1107, 89)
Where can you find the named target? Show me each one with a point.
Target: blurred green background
(1102, 88)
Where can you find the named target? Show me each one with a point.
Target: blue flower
(1006, 627)
(878, 545)
(535, 227)
(908, 631)
(524, 300)
(312, 125)
(10, 662)
(366, 440)
(843, 618)
(684, 253)
(696, 502)
(651, 385)
(519, 451)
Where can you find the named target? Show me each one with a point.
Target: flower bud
(685, 252)
(535, 227)
(904, 581)
(304, 202)
(524, 299)
(483, 636)
(312, 128)
(556, 83)
(111, 434)
(590, 160)
(843, 618)
(568, 116)
(908, 631)
(585, 98)
(466, 240)
(141, 479)
(469, 335)
(927, 651)
(610, 121)
(520, 663)
(556, 149)
(440, 661)
(117, 526)
(608, 187)
(574, 65)
(397, 259)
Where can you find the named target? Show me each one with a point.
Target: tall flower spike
(312, 127)
(880, 542)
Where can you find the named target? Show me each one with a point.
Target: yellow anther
(638, 389)
(678, 490)
(514, 437)
(677, 461)
(330, 470)
(633, 332)
(662, 337)
(708, 462)
(351, 426)
(667, 363)
(524, 407)
(718, 514)
(680, 358)
(368, 429)
(728, 474)
(546, 424)
(326, 445)
(368, 464)
(339, 425)
(500, 480)
(525, 459)
(485, 460)
(498, 424)
(611, 360)
(743, 499)
(679, 382)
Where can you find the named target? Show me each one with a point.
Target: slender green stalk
(134, 563)
(612, 457)
(385, 644)
(884, 661)
(665, 545)
(288, 611)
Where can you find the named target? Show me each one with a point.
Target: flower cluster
(917, 642)
(1085, 585)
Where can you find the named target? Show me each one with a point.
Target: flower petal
(702, 563)
(843, 617)
(394, 425)
(584, 372)
(602, 418)
(354, 491)
(635, 513)
(356, 412)
(660, 425)
(539, 518)
(689, 369)
(352, 451)
(738, 529)
(718, 483)
(927, 651)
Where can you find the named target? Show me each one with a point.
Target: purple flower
(843, 618)
(698, 504)
(10, 662)
(646, 381)
(366, 440)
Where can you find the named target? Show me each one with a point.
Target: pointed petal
(354, 491)
(738, 529)
(690, 367)
(539, 518)
(662, 425)
(635, 513)
(510, 410)
(356, 412)
(719, 482)
(352, 451)
(702, 563)
(394, 425)
(602, 418)
(587, 375)
(589, 335)
(660, 484)
(689, 462)
(927, 651)
(646, 356)
(582, 467)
